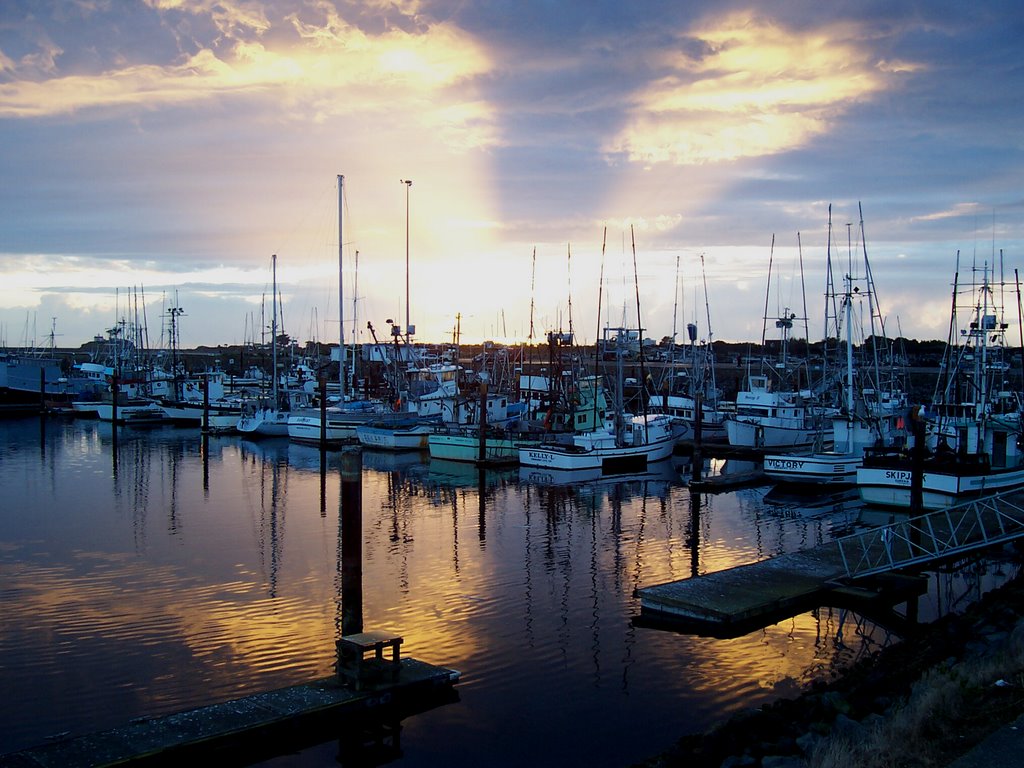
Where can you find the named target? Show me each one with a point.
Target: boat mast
(273, 329)
(767, 295)
(848, 319)
(670, 371)
(599, 338)
(408, 325)
(640, 334)
(341, 292)
(355, 323)
(711, 340)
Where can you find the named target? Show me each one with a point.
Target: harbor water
(165, 571)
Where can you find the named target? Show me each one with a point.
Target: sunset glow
(179, 145)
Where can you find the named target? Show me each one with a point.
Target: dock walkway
(244, 730)
(844, 571)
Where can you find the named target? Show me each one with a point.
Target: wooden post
(698, 429)
(42, 389)
(113, 420)
(205, 448)
(114, 398)
(206, 405)
(323, 415)
(351, 526)
(917, 464)
(483, 422)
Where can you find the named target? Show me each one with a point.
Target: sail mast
(341, 293)
(640, 334)
(273, 328)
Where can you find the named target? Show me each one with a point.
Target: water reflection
(200, 569)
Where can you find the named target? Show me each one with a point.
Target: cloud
(957, 211)
(317, 67)
(230, 16)
(754, 88)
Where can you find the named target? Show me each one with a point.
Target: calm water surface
(174, 577)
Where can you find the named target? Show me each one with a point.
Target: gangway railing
(934, 535)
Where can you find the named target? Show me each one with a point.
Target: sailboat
(875, 403)
(263, 417)
(971, 432)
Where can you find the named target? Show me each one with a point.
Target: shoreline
(832, 721)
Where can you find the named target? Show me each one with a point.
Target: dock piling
(351, 530)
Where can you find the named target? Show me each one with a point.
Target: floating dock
(249, 729)
(872, 571)
(736, 601)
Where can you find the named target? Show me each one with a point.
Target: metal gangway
(937, 535)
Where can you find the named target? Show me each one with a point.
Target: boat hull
(264, 424)
(467, 448)
(814, 468)
(131, 414)
(891, 486)
(341, 425)
(393, 439)
(608, 460)
(743, 433)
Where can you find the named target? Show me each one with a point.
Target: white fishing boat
(875, 401)
(970, 436)
(772, 411)
(786, 419)
(262, 418)
(412, 437)
(581, 410)
(625, 442)
(218, 416)
(130, 411)
(638, 441)
(338, 423)
(977, 457)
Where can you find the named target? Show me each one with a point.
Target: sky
(573, 165)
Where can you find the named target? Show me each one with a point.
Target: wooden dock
(250, 729)
(865, 570)
(738, 600)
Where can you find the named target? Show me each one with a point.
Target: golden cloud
(320, 69)
(760, 89)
